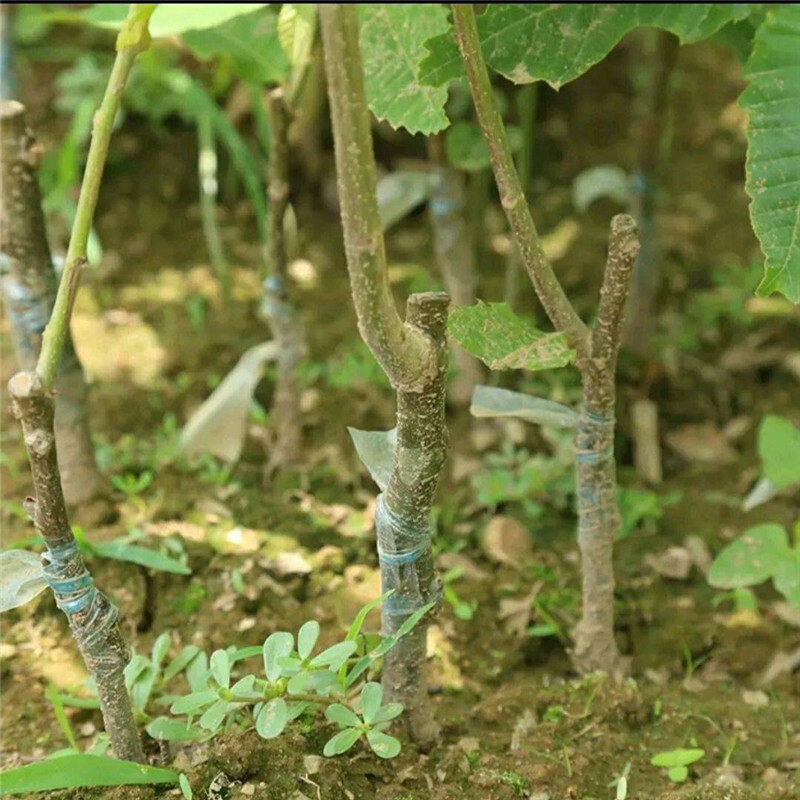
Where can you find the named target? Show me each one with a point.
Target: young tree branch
(403, 352)
(512, 197)
(132, 39)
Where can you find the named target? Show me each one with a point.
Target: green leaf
(297, 24)
(753, 558)
(557, 43)
(342, 716)
(383, 745)
(773, 147)
(679, 757)
(21, 578)
(81, 770)
(391, 38)
(194, 702)
(335, 655)
(342, 742)
(58, 708)
(387, 713)
(787, 578)
(779, 448)
(502, 340)
(186, 787)
(358, 621)
(142, 687)
(678, 774)
(119, 550)
(306, 638)
(197, 672)
(466, 148)
(221, 668)
(181, 661)
(371, 697)
(277, 645)
(272, 718)
(174, 730)
(212, 717)
(160, 649)
(250, 41)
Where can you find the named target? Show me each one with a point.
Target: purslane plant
(413, 356)
(92, 617)
(29, 285)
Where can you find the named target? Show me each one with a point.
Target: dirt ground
(516, 721)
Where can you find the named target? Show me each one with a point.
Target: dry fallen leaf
(701, 443)
(506, 541)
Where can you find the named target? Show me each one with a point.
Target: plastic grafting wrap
(275, 299)
(89, 611)
(400, 546)
(594, 456)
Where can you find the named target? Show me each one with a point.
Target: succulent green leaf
(753, 558)
(322, 681)
(387, 713)
(160, 648)
(557, 43)
(358, 621)
(371, 697)
(342, 716)
(181, 661)
(298, 683)
(497, 336)
(244, 685)
(773, 147)
(787, 578)
(120, 550)
(186, 787)
(197, 672)
(678, 774)
(272, 718)
(277, 645)
(221, 668)
(392, 37)
(21, 578)
(342, 742)
(680, 757)
(191, 703)
(307, 637)
(250, 41)
(334, 656)
(143, 686)
(81, 771)
(779, 448)
(212, 717)
(383, 745)
(174, 730)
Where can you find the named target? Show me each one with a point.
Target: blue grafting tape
(73, 593)
(597, 418)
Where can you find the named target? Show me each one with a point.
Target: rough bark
(421, 450)
(455, 258)
(29, 289)
(412, 354)
(92, 617)
(277, 306)
(596, 480)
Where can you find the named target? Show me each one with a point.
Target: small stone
(87, 729)
(756, 698)
(248, 790)
(289, 564)
(312, 764)
(246, 624)
(674, 563)
(469, 744)
(506, 541)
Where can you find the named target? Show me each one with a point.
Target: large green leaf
(81, 770)
(391, 38)
(249, 40)
(557, 43)
(497, 336)
(758, 554)
(779, 448)
(772, 101)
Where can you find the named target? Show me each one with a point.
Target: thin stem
(512, 197)
(404, 353)
(132, 39)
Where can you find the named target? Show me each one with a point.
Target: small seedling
(677, 762)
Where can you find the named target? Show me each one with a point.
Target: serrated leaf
(497, 336)
(773, 147)
(371, 697)
(341, 742)
(174, 730)
(779, 448)
(376, 450)
(391, 38)
(753, 558)
(221, 668)
(80, 771)
(342, 716)
(272, 718)
(557, 43)
(383, 745)
(250, 41)
(307, 637)
(277, 645)
(297, 24)
(489, 401)
(21, 578)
